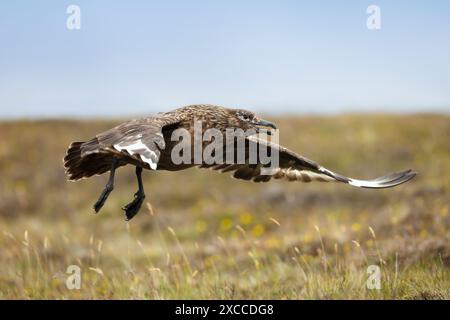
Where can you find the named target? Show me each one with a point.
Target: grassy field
(205, 235)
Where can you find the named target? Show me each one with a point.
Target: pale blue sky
(141, 57)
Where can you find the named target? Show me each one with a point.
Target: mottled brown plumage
(146, 143)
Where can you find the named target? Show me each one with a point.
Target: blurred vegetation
(205, 235)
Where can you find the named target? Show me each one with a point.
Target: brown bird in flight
(147, 144)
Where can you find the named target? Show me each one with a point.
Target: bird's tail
(84, 159)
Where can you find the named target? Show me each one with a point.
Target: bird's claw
(133, 207)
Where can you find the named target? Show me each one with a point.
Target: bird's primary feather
(294, 167)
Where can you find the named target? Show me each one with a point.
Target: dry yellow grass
(206, 235)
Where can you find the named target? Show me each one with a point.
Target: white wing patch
(137, 147)
(364, 183)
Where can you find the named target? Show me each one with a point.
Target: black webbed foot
(103, 196)
(133, 207)
(108, 188)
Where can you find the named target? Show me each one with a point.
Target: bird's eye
(244, 117)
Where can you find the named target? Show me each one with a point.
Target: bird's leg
(133, 207)
(108, 188)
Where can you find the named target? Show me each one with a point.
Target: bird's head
(247, 120)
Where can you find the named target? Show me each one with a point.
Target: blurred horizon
(289, 57)
(276, 114)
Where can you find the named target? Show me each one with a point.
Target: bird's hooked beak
(265, 123)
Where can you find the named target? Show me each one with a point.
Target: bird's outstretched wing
(294, 167)
(141, 139)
